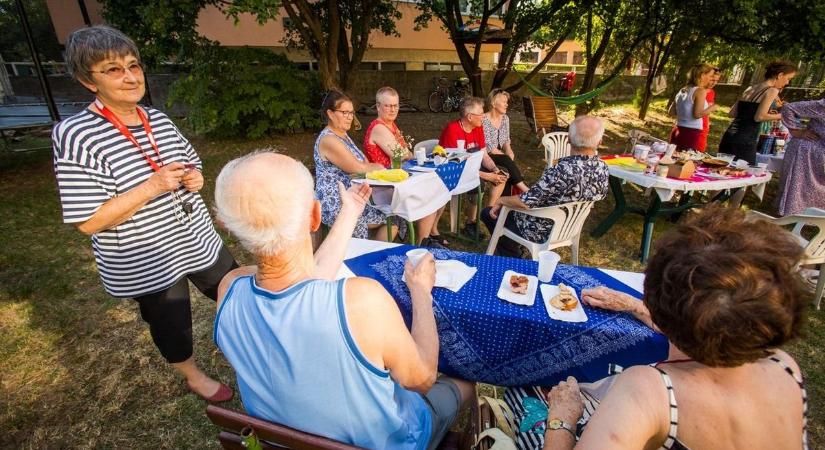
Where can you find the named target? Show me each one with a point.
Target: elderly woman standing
(336, 158)
(130, 180)
(727, 294)
(496, 125)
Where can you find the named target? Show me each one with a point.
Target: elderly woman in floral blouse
(496, 125)
(582, 176)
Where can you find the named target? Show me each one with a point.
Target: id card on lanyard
(187, 206)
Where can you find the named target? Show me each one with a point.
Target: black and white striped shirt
(150, 251)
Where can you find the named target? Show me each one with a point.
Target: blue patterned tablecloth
(450, 173)
(489, 340)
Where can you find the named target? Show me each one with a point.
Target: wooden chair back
(235, 425)
(541, 114)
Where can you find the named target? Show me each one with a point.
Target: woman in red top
(710, 97)
(381, 138)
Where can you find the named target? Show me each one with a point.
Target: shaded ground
(78, 368)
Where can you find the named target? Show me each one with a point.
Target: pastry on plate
(518, 284)
(565, 300)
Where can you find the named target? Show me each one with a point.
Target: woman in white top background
(690, 107)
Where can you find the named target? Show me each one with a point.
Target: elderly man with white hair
(582, 176)
(329, 357)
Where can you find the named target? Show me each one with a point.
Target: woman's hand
(495, 178)
(192, 180)
(804, 133)
(168, 178)
(606, 298)
(494, 210)
(496, 151)
(564, 402)
(354, 199)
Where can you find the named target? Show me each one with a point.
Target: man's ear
(315, 216)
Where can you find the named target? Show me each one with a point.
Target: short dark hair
(724, 289)
(88, 46)
(333, 101)
(773, 69)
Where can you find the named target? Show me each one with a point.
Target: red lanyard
(128, 134)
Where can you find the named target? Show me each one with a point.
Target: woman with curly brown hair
(726, 292)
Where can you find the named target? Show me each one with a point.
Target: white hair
(586, 132)
(265, 199)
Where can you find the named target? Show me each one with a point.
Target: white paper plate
(549, 291)
(505, 293)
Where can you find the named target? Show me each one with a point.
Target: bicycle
(446, 99)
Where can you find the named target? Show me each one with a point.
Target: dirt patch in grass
(78, 368)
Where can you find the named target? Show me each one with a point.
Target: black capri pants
(169, 313)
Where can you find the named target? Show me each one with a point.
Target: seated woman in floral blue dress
(336, 157)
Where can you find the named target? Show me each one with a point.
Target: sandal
(440, 239)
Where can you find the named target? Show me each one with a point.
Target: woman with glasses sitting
(129, 179)
(336, 158)
(383, 138)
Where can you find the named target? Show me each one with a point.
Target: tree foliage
(13, 44)
(164, 30)
(335, 33)
(247, 92)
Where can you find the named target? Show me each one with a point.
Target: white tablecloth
(774, 162)
(423, 193)
(357, 247)
(666, 188)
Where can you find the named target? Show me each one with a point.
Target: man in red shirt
(468, 129)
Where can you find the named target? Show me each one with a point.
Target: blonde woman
(691, 107)
(496, 125)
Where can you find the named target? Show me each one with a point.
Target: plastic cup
(547, 265)
(415, 256)
(460, 144)
(421, 156)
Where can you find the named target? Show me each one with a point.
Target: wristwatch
(558, 424)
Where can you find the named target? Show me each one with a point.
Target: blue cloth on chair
(450, 173)
(489, 340)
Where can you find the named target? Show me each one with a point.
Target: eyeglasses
(395, 106)
(347, 114)
(475, 114)
(120, 71)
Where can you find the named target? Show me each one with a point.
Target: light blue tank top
(297, 364)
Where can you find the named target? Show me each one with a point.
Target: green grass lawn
(78, 368)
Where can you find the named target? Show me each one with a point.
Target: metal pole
(84, 13)
(41, 75)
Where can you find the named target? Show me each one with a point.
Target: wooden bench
(237, 426)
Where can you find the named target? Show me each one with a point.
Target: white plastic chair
(814, 248)
(567, 218)
(427, 145)
(556, 146)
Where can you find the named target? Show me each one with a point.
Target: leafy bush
(247, 92)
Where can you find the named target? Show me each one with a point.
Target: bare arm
(513, 202)
(763, 113)
(508, 150)
(119, 209)
(230, 277)
(330, 254)
(633, 415)
(333, 150)
(612, 300)
(385, 140)
(379, 330)
(699, 109)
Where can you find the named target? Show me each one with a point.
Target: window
(578, 57)
(528, 57)
(390, 65)
(558, 58)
